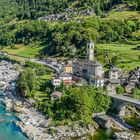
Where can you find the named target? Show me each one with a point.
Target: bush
(136, 93)
(119, 89)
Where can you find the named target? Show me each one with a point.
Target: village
(89, 71)
(70, 70)
(78, 72)
(68, 15)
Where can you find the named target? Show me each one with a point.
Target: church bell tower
(90, 51)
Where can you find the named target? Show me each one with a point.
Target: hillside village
(68, 15)
(70, 69)
(89, 71)
(79, 72)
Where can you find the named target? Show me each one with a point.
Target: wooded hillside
(32, 9)
(115, 21)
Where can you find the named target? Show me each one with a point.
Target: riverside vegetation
(77, 104)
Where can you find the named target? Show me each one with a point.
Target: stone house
(128, 87)
(114, 73)
(63, 77)
(89, 68)
(132, 80)
(56, 81)
(134, 77)
(123, 79)
(110, 85)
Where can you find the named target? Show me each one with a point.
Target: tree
(77, 104)
(27, 83)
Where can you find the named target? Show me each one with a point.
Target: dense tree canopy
(60, 38)
(27, 83)
(64, 38)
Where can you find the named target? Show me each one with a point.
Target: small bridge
(120, 102)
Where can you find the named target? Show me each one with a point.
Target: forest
(36, 8)
(19, 25)
(64, 38)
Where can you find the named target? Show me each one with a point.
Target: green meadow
(127, 56)
(30, 51)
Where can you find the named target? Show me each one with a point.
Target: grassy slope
(24, 51)
(126, 12)
(128, 57)
(123, 15)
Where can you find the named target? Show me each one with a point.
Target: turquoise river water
(8, 129)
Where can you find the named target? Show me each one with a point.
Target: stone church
(89, 68)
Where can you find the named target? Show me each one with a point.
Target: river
(8, 129)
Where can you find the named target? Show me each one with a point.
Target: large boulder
(125, 135)
(8, 104)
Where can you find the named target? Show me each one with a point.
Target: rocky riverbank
(8, 75)
(124, 136)
(105, 121)
(36, 127)
(31, 122)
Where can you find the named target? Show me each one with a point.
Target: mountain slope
(37, 8)
(118, 23)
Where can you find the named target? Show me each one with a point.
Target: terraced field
(128, 56)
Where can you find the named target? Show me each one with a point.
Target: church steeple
(90, 50)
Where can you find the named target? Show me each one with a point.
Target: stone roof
(64, 74)
(97, 78)
(127, 84)
(114, 69)
(87, 62)
(123, 76)
(56, 94)
(112, 81)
